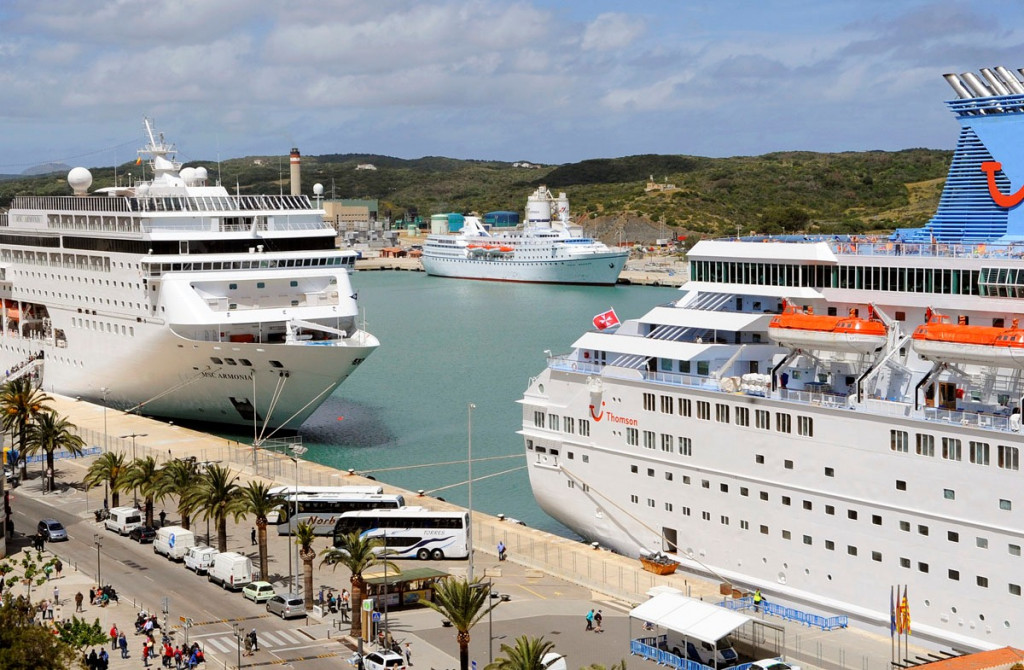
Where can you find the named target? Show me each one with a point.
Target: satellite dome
(318, 189)
(188, 175)
(80, 180)
(201, 174)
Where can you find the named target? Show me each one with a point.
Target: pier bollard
(595, 545)
(420, 493)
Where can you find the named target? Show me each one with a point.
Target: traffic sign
(376, 617)
(367, 604)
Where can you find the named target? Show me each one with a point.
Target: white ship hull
(598, 269)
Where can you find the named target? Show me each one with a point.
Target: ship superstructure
(822, 419)
(174, 298)
(549, 248)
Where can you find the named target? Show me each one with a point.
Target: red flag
(606, 320)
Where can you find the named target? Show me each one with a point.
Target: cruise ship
(822, 419)
(173, 298)
(548, 249)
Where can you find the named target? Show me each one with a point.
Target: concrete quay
(552, 581)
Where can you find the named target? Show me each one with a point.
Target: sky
(548, 81)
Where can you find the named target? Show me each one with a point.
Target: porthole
(782, 578)
(981, 617)
(953, 610)
(540, 387)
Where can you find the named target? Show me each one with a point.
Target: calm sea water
(403, 415)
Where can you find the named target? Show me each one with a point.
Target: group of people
(252, 643)
(100, 661)
(334, 603)
(99, 596)
(594, 621)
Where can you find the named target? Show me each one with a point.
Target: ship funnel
(972, 81)
(1010, 79)
(296, 171)
(993, 82)
(957, 86)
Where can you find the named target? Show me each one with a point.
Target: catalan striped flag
(905, 612)
(138, 161)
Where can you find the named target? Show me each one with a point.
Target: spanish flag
(138, 161)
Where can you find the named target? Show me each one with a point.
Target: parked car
(258, 591)
(773, 664)
(287, 605)
(383, 660)
(52, 530)
(142, 534)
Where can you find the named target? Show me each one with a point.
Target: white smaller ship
(548, 249)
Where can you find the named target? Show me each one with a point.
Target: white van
(199, 558)
(231, 570)
(173, 542)
(123, 519)
(703, 652)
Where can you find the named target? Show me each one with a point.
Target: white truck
(173, 542)
(123, 519)
(199, 558)
(231, 570)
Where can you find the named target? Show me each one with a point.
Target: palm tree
(177, 478)
(464, 604)
(51, 433)
(258, 502)
(527, 654)
(20, 402)
(305, 533)
(217, 497)
(357, 554)
(107, 469)
(143, 477)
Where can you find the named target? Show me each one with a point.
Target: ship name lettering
(225, 375)
(614, 418)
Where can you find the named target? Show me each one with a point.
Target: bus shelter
(404, 589)
(672, 622)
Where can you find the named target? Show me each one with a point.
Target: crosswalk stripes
(267, 639)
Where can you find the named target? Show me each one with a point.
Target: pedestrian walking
(590, 620)
(113, 636)
(58, 566)
(255, 642)
(757, 600)
(501, 550)
(597, 622)
(320, 597)
(56, 595)
(252, 535)
(408, 654)
(92, 661)
(79, 598)
(248, 646)
(104, 659)
(122, 642)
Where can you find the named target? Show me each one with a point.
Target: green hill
(840, 192)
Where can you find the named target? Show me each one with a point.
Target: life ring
(574, 367)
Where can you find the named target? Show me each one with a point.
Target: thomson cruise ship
(823, 419)
(174, 298)
(548, 249)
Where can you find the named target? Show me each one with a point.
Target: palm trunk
(186, 523)
(261, 538)
(115, 496)
(49, 469)
(21, 452)
(222, 534)
(307, 576)
(463, 651)
(149, 511)
(357, 605)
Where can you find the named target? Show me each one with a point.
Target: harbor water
(404, 416)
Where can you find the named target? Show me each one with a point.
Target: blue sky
(541, 80)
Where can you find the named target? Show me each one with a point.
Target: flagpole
(892, 627)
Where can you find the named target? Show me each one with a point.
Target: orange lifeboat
(941, 340)
(799, 329)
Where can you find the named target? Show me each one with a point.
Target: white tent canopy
(692, 618)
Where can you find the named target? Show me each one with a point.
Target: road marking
(222, 645)
(525, 588)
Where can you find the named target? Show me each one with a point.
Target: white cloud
(611, 31)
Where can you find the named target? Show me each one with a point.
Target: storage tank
(561, 212)
(501, 219)
(438, 224)
(455, 222)
(538, 207)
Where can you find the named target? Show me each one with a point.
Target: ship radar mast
(161, 153)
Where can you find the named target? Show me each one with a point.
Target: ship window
(705, 484)
(232, 287)
(216, 361)
(649, 439)
(808, 505)
(538, 419)
(684, 367)
(901, 485)
(764, 495)
(703, 410)
(978, 452)
(586, 458)
(724, 520)
(851, 550)
(788, 464)
(808, 539)
(876, 556)
(666, 404)
(685, 446)
(649, 402)
(764, 530)
(949, 494)
(721, 413)
(685, 407)
(762, 419)
(786, 535)
(899, 441)
(295, 303)
(805, 426)
(759, 458)
(830, 472)
(952, 536)
(553, 421)
(1014, 589)
(724, 488)
(634, 469)
(982, 542)
(650, 502)
(706, 516)
(742, 416)
(876, 519)
(634, 499)
(1009, 457)
(230, 361)
(951, 449)
(685, 511)
(666, 442)
(668, 476)
(954, 575)
(900, 316)
(851, 514)
(904, 562)
(786, 500)
(830, 545)
(922, 567)
(703, 367)
(650, 472)
(925, 444)
(983, 582)
(745, 525)
(744, 491)
(1005, 505)
(686, 479)
(1014, 549)
(830, 510)
(922, 530)
(293, 283)
(275, 364)
(668, 507)
(584, 427)
(245, 361)
(569, 424)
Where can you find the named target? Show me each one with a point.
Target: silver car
(52, 530)
(287, 605)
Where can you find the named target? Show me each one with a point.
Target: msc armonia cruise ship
(823, 418)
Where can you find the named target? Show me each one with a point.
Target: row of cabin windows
(762, 418)
(978, 452)
(570, 424)
(900, 279)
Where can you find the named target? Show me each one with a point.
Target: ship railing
(649, 648)
(928, 249)
(282, 222)
(822, 398)
(810, 619)
(973, 419)
(3, 220)
(71, 203)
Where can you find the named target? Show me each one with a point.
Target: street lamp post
(490, 618)
(99, 543)
(106, 439)
(238, 643)
(135, 492)
(469, 466)
(297, 450)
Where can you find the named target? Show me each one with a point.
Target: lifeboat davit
(941, 340)
(799, 329)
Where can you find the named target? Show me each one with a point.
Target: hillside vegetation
(779, 192)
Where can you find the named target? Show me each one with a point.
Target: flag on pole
(606, 320)
(138, 161)
(905, 611)
(892, 613)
